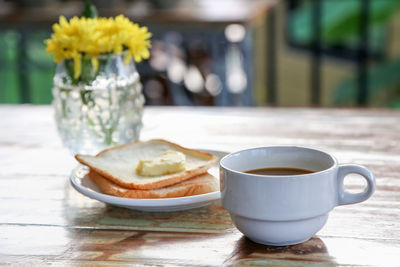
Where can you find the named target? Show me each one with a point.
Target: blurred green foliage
(40, 68)
(341, 21)
(340, 26)
(9, 88)
(384, 86)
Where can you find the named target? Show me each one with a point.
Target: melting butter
(170, 162)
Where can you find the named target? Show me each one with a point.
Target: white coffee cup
(285, 210)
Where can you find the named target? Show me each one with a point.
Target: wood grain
(43, 220)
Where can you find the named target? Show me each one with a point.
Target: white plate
(82, 183)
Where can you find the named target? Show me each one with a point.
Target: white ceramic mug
(285, 210)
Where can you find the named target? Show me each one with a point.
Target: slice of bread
(201, 184)
(119, 163)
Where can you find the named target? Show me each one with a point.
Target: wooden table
(43, 220)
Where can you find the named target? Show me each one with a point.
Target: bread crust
(201, 184)
(170, 180)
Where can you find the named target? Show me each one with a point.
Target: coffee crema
(279, 171)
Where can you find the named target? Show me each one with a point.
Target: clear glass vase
(101, 108)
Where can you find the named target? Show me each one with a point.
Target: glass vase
(101, 108)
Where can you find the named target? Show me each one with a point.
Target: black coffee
(279, 171)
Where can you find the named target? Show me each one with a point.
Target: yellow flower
(91, 37)
(139, 43)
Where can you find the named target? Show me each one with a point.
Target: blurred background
(330, 53)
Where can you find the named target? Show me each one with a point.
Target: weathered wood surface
(43, 220)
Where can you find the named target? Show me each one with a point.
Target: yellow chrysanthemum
(91, 37)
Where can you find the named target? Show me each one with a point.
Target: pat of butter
(170, 162)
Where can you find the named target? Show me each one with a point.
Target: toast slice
(201, 184)
(118, 164)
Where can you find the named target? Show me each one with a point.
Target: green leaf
(88, 73)
(69, 65)
(89, 11)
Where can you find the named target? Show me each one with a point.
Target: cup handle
(346, 197)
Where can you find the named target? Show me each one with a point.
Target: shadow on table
(248, 252)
